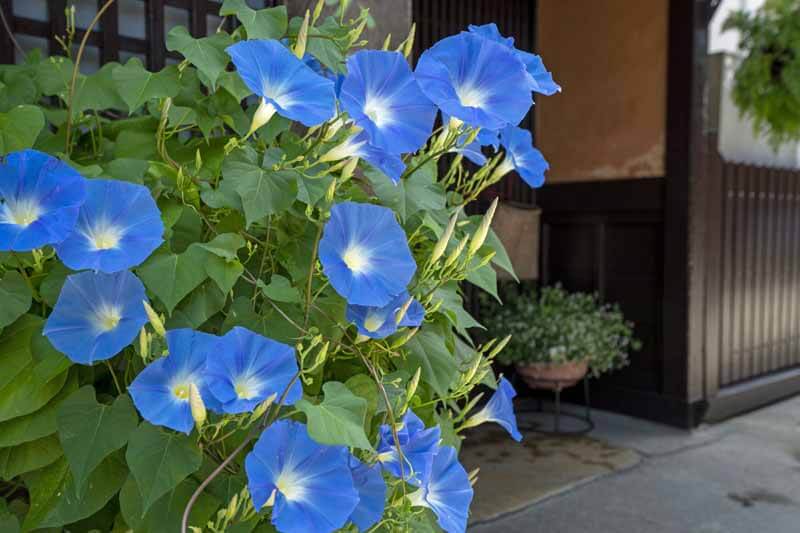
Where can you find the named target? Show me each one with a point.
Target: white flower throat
(470, 96)
(23, 213)
(290, 485)
(103, 235)
(377, 109)
(246, 388)
(356, 258)
(107, 317)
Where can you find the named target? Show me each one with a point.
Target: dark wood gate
(752, 342)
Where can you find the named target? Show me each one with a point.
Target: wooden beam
(197, 18)
(154, 28)
(6, 43)
(109, 38)
(58, 25)
(683, 324)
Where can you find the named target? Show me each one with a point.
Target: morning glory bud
(233, 507)
(197, 406)
(441, 246)
(412, 385)
(483, 230)
(499, 348)
(401, 313)
(404, 339)
(317, 11)
(455, 254)
(155, 320)
(408, 45)
(261, 408)
(387, 42)
(144, 345)
(349, 168)
(302, 37)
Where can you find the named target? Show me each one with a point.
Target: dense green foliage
(556, 326)
(243, 215)
(767, 82)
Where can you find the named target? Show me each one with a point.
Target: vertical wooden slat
(727, 305)
(58, 24)
(794, 265)
(783, 289)
(739, 357)
(154, 27)
(198, 9)
(6, 44)
(762, 281)
(109, 38)
(769, 280)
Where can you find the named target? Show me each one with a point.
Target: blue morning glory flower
(418, 444)
(540, 79)
(371, 487)
(499, 409)
(248, 369)
(365, 254)
(309, 484)
(358, 146)
(448, 493)
(96, 315)
(476, 80)
(381, 96)
(522, 156)
(118, 227)
(285, 84)
(161, 391)
(380, 322)
(39, 200)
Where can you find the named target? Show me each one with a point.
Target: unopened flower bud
(349, 168)
(473, 476)
(197, 406)
(331, 192)
(404, 339)
(480, 234)
(441, 245)
(408, 45)
(486, 259)
(317, 11)
(401, 313)
(144, 345)
(233, 507)
(414, 383)
(261, 408)
(302, 37)
(499, 348)
(387, 42)
(455, 254)
(155, 320)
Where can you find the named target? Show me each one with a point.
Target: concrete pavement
(740, 476)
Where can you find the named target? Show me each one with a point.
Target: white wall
(736, 139)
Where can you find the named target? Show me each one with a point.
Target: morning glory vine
(235, 285)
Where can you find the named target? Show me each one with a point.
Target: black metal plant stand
(586, 419)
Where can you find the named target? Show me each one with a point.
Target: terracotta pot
(553, 376)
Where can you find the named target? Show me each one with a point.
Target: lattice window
(129, 28)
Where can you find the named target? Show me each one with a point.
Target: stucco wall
(610, 56)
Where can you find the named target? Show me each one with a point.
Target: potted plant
(767, 81)
(558, 336)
